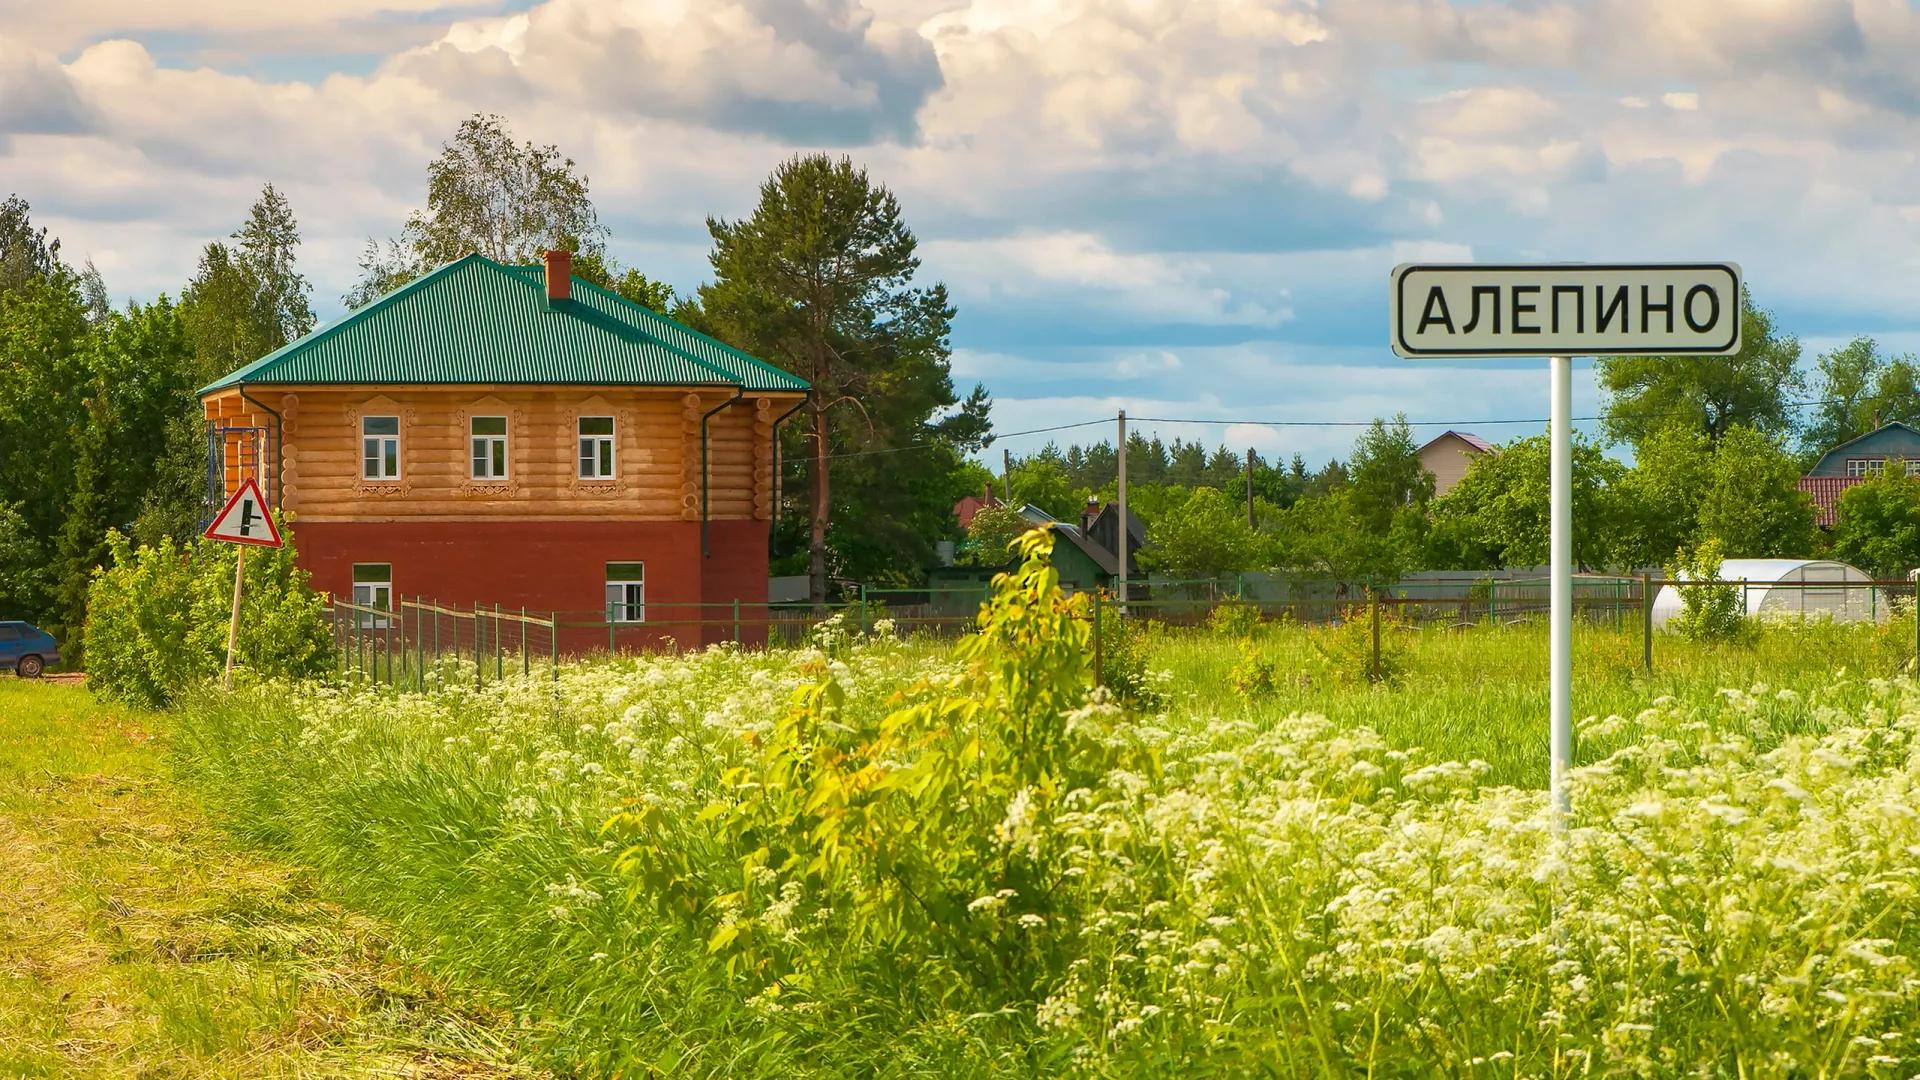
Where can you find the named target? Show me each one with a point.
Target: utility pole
(1250, 487)
(1120, 517)
(1006, 472)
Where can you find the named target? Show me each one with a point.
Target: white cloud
(806, 69)
(1100, 182)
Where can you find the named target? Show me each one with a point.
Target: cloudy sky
(1184, 208)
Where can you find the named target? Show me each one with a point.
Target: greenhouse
(1795, 589)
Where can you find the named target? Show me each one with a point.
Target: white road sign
(245, 519)
(1565, 309)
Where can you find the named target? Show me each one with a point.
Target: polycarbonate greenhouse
(1793, 588)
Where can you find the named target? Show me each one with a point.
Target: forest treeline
(1718, 446)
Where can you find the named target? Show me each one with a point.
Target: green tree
(819, 280)
(1044, 484)
(27, 575)
(1386, 475)
(1877, 523)
(1753, 504)
(1753, 387)
(1860, 389)
(485, 193)
(1658, 505)
(1206, 538)
(991, 533)
(247, 299)
(1500, 512)
(24, 253)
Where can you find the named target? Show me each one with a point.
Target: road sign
(1558, 310)
(1565, 309)
(245, 519)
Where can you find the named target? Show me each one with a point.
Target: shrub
(158, 616)
(1124, 646)
(1345, 647)
(1707, 612)
(1256, 676)
(991, 533)
(1235, 618)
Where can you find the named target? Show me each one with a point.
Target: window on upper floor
(379, 447)
(1865, 466)
(626, 592)
(596, 448)
(489, 447)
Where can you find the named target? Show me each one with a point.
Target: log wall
(657, 468)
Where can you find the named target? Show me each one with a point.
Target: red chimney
(559, 275)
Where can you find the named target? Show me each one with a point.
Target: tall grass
(828, 863)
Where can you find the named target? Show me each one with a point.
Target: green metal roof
(477, 321)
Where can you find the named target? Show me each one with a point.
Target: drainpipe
(273, 440)
(738, 393)
(773, 511)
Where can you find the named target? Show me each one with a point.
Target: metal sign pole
(233, 629)
(1560, 545)
(1120, 513)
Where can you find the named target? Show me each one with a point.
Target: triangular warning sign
(245, 519)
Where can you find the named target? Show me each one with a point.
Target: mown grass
(136, 941)
(1231, 887)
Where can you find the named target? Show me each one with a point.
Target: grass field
(136, 941)
(819, 869)
(1482, 694)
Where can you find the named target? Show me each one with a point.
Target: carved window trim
(516, 448)
(624, 458)
(401, 487)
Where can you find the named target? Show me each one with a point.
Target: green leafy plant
(1708, 612)
(1235, 618)
(927, 826)
(1256, 676)
(1345, 647)
(158, 617)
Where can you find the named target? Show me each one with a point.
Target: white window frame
(489, 452)
(629, 604)
(373, 593)
(379, 450)
(1858, 467)
(598, 457)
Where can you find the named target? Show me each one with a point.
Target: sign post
(244, 521)
(1563, 310)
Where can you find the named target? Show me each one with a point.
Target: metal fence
(421, 643)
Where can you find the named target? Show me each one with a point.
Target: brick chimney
(559, 276)
(1089, 514)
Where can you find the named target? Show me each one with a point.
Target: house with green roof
(514, 435)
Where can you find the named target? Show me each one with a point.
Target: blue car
(26, 649)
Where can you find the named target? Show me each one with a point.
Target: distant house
(1448, 455)
(973, 504)
(1083, 551)
(1856, 459)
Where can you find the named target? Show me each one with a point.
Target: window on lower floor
(626, 592)
(373, 588)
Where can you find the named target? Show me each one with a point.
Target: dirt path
(135, 941)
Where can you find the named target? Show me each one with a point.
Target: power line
(801, 462)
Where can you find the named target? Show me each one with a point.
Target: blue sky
(1184, 208)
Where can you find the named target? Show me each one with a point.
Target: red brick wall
(554, 566)
(736, 570)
